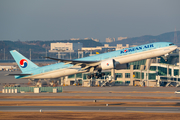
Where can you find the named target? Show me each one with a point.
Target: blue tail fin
(24, 64)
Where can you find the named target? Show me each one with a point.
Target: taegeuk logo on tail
(23, 63)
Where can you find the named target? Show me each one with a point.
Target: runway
(96, 94)
(97, 100)
(89, 109)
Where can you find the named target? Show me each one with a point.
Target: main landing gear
(95, 75)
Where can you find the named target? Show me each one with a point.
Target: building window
(152, 68)
(119, 82)
(127, 82)
(128, 66)
(135, 67)
(152, 76)
(107, 73)
(71, 76)
(79, 75)
(176, 72)
(127, 75)
(136, 75)
(84, 76)
(142, 75)
(141, 62)
(118, 75)
(162, 71)
(139, 75)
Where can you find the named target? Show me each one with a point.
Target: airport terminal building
(154, 72)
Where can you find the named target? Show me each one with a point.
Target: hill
(38, 48)
(165, 37)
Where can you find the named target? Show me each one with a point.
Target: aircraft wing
(84, 64)
(17, 74)
(74, 62)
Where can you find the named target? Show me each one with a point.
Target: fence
(31, 89)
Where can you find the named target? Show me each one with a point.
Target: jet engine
(108, 64)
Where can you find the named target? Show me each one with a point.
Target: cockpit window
(171, 44)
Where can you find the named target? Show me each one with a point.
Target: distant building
(120, 46)
(106, 46)
(121, 38)
(75, 39)
(97, 40)
(110, 39)
(67, 47)
(86, 38)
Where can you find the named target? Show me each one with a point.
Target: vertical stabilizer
(24, 64)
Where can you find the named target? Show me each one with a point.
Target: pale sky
(65, 19)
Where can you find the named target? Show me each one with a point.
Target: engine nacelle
(108, 64)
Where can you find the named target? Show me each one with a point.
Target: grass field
(84, 97)
(101, 103)
(87, 116)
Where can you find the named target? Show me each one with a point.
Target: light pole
(70, 54)
(179, 63)
(46, 53)
(30, 54)
(4, 54)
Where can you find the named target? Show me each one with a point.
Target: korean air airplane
(97, 62)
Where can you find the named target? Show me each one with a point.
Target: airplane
(90, 64)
